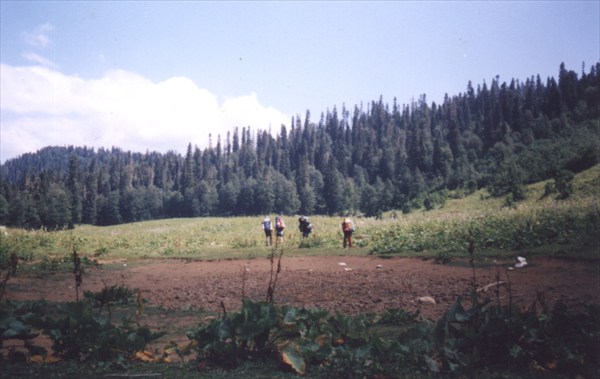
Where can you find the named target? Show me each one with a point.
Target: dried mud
(347, 284)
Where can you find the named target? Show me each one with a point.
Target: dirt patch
(345, 284)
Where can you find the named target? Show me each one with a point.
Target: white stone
(426, 299)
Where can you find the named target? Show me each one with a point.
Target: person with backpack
(305, 226)
(279, 228)
(347, 229)
(268, 229)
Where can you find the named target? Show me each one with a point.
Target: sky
(157, 76)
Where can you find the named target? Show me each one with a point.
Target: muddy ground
(348, 284)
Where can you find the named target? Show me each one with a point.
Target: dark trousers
(269, 236)
(348, 239)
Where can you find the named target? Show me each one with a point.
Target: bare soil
(347, 284)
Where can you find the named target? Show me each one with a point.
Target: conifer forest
(364, 160)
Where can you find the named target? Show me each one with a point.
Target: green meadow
(540, 224)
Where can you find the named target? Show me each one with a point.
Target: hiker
(268, 229)
(305, 226)
(279, 227)
(348, 229)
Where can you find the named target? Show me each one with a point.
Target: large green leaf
(17, 330)
(291, 356)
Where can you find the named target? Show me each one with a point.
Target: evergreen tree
(108, 209)
(228, 196)
(3, 211)
(90, 192)
(74, 187)
(369, 203)
(246, 201)
(153, 202)
(333, 190)
(286, 199)
(265, 196)
(59, 212)
(208, 198)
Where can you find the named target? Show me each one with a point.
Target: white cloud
(39, 37)
(41, 106)
(247, 111)
(38, 59)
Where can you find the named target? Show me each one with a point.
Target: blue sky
(158, 75)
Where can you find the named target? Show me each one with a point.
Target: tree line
(367, 160)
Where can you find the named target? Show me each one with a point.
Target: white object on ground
(426, 299)
(522, 262)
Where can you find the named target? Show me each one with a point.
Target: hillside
(495, 138)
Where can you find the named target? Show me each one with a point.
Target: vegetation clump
(482, 338)
(77, 330)
(507, 230)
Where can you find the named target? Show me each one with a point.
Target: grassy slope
(242, 237)
(586, 195)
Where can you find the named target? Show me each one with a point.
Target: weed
(8, 263)
(115, 294)
(75, 330)
(244, 244)
(101, 251)
(491, 336)
(310, 243)
(442, 258)
(274, 274)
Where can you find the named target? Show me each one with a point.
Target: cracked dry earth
(349, 284)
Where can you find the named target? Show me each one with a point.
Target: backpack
(303, 223)
(279, 223)
(267, 225)
(348, 227)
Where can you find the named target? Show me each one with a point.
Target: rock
(342, 263)
(426, 300)
(379, 266)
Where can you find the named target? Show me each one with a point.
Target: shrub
(495, 337)
(76, 330)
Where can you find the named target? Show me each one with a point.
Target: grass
(539, 225)
(191, 238)
(242, 237)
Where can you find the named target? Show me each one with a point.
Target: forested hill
(365, 160)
